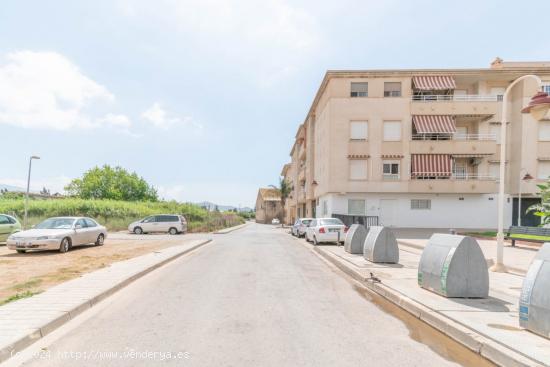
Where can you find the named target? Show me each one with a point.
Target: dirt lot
(33, 272)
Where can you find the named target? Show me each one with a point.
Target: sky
(203, 98)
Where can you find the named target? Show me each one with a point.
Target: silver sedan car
(60, 233)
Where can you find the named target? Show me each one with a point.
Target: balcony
(302, 152)
(457, 184)
(461, 104)
(302, 175)
(484, 144)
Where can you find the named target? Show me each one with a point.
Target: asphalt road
(254, 297)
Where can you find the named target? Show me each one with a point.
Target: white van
(167, 223)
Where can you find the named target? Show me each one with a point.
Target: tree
(112, 183)
(284, 190)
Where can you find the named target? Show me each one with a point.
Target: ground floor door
(527, 219)
(387, 212)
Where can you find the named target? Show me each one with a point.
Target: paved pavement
(253, 297)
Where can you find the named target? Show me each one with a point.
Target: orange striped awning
(434, 124)
(434, 82)
(431, 165)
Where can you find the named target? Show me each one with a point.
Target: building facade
(268, 205)
(419, 148)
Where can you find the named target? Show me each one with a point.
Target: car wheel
(173, 231)
(138, 230)
(65, 245)
(100, 240)
(21, 251)
(315, 241)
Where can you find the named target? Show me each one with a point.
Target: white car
(167, 223)
(300, 226)
(275, 221)
(60, 233)
(326, 230)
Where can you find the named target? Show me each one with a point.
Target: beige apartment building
(419, 148)
(268, 205)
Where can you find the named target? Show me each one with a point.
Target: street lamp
(28, 187)
(525, 178)
(538, 107)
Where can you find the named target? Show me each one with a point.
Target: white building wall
(475, 211)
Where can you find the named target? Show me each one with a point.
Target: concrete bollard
(454, 266)
(381, 246)
(355, 239)
(534, 302)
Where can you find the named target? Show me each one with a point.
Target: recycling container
(355, 238)
(381, 246)
(454, 266)
(534, 302)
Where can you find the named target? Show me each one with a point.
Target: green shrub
(116, 215)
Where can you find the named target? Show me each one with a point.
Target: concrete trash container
(355, 239)
(381, 246)
(454, 266)
(534, 301)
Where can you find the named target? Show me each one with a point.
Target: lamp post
(538, 107)
(525, 178)
(28, 188)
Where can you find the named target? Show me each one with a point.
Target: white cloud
(46, 90)
(271, 39)
(158, 116)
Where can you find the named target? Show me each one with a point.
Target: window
(544, 130)
(153, 219)
(390, 170)
(356, 207)
(81, 223)
(392, 89)
(4, 220)
(494, 170)
(421, 204)
(546, 87)
(358, 169)
(359, 89)
(359, 130)
(90, 223)
(325, 208)
(494, 129)
(392, 130)
(543, 170)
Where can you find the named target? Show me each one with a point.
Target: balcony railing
(390, 176)
(454, 137)
(454, 176)
(456, 98)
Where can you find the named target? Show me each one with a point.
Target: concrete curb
(478, 343)
(17, 342)
(230, 229)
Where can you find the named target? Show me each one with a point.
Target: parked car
(275, 221)
(8, 226)
(169, 223)
(59, 233)
(300, 226)
(326, 230)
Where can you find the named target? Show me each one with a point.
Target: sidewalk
(517, 259)
(489, 326)
(27, 320)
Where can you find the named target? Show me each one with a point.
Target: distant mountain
(11, 188)
(222, 208)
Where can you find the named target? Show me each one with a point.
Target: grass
(18, 296)
(516, 236)
(116, 215)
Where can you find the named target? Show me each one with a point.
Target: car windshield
(331, 221)
(307, 221)
(56, 223)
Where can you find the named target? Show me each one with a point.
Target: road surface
(254, 297)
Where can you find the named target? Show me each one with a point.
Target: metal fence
(366, 220)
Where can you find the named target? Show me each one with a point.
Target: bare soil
(34, 272)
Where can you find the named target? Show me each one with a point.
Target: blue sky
(202, 98)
